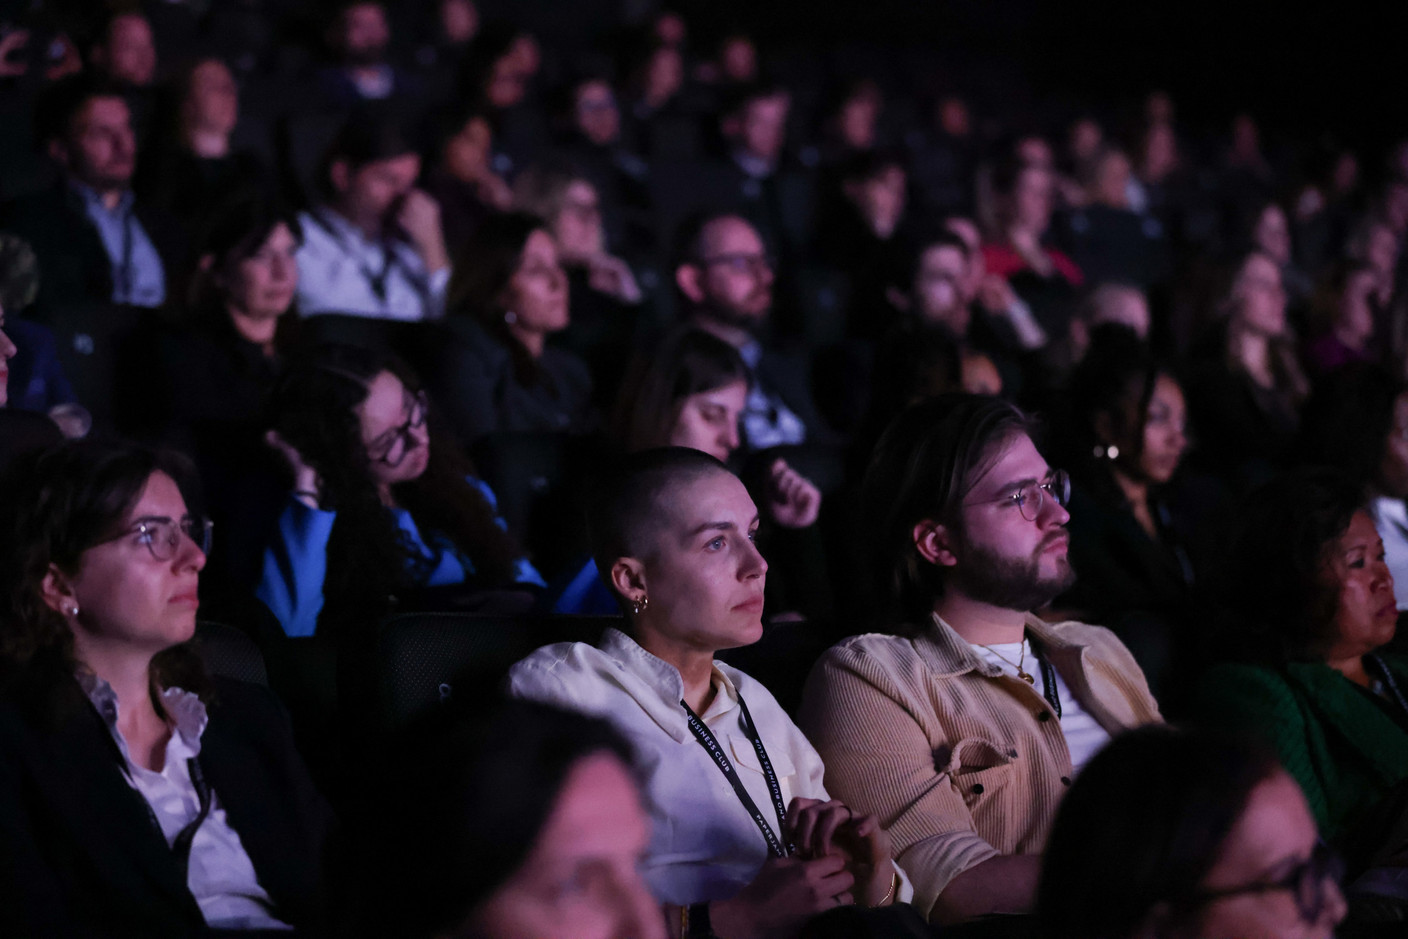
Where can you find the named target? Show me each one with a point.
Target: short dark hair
(461, 808)
(688, 245)
(60, 104)
(738, 99)
(627, 496)
(920, 245)
(923, 467)
(1271, 582)
(371, 133)
(1142, 826)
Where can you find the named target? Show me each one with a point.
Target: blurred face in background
(577, 225)
(536, 295)
(880, 199)
(938, 288)
(100, 149)
(7, 352)
(708, 420)
(1165, 432)
(261, 286)
(1031, 199)
(129, 54)
(363, 34)
(212, 102)
(596, 114)
(1260, 299)
(761, 128)
(467, 153)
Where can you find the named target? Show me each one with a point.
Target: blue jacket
(296, 563)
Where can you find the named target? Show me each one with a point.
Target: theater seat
(230, 653)
(425, 658)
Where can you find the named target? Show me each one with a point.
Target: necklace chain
(1022, 673)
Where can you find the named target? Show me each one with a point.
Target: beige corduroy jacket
(960, 762)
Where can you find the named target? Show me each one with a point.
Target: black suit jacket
(73, 266)
(79, 855)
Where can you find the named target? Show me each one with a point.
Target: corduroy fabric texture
(960, 762)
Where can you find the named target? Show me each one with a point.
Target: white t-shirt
(1084, 737)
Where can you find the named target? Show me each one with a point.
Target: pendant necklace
(1021, 672)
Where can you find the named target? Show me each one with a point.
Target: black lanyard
(1048, 681)
(711, 746)
(181, 845)
(376, 281)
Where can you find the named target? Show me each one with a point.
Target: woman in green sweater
(1312, 610)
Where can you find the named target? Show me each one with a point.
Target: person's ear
(57, 591)
(934, 543)
(690, 279)
(627, 578)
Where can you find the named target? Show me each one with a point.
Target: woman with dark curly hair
(1305, 665)
(383, 503)
(137, 795)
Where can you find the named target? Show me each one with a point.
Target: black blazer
(73, 266)
(79, 855)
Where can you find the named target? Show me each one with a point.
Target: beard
(1011, 583)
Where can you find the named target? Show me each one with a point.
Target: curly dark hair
(1272, 582)
(314, 409)
(55, 504)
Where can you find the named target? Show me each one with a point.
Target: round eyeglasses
(391, 447)
(1030, 497)
(1306, 882)
(162, 536)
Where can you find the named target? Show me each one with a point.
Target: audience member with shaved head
(746, 837)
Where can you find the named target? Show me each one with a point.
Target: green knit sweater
(1342, 748)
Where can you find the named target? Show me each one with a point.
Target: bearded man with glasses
(963, 723)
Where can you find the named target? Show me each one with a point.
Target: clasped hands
(838, 857)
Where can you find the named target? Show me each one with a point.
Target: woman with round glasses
(1180, 835)
(383, 506)
(1305, 659)
(138, 796)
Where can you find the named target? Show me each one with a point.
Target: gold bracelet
(894, 889)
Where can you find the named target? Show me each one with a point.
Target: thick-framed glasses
(1306, 883)
(739, 262)
(162, 536)
(1030, 498)
(391, 447)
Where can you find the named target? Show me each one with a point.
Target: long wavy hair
(314, 409)
(55, 504)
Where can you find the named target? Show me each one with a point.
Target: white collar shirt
(1391, 520)
(220, 875)
(705, 845)
(340, 270)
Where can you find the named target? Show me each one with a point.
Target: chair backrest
(422, 658)
(230, 653)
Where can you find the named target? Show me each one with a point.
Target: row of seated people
(1148, 531)
(928, 766)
